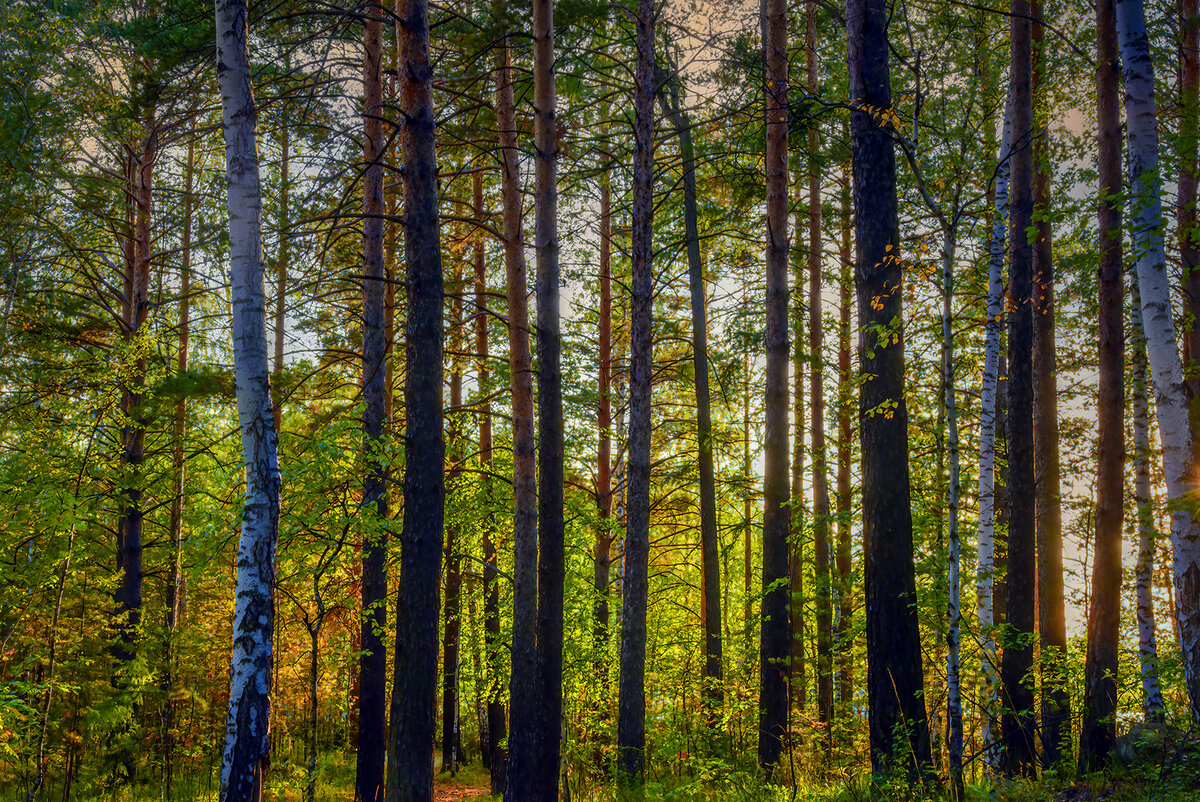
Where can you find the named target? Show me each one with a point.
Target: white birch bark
(1170, 397)
(987, 449)
(953, 637)
(249, 718)
(1152, 699)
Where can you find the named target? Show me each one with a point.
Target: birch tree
(248, 722)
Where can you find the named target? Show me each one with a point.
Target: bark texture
(776, 636)
(1104, 613)
(896, 707)
(248, 723)
(1170, 393)
(631, 713)
(414, 679)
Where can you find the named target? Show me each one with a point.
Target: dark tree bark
(372, 665)
(496, 724)
(845, 406)
(1018, 723)
(1188, 76)
(523, 690)
(776, 636)
(551, 554)
(896, 707)
(1104, 614)
(710, 597)
(248, 722)
(452, 604)
(1052, 617)
(414, 680)
(604, 420)
(631, 714)
(796, 518)
(816, 392)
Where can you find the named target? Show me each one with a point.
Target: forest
(599, 400)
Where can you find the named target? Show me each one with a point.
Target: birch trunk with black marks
(1170, 392)
(248, 722)
(1152, 699)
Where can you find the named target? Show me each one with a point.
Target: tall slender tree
(1171, 402)
(1018, 722)
(1104, 614)
(414, 679)
(372, 664)
(816, 393)
(776, 637)
(248, 723)
(551, 552)
(631, 713)
(896, 707)
(710, 598)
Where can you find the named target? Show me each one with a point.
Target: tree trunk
(523, 690)
(372, 664)
(1152, 700)
(1104, 615)
(710, 600)
(491, 558)
(987, 568)
(845, 606)
(1169, 390)
(1018, 723)
(248, 723)
(414, 679)
(176, 584)
(631, 714)
(452, 606)
(551, 554)
(604, 418)
(896, 707)
(1188, 75)
(953, 680)
(1052, 617)
(797, 540)
(776, 635)
(816, 394)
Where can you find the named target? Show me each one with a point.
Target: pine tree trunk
(1018, 724)
(1052, 618)
(845, 408)
(414, 679)
(372, 664)
(551, 554)
(816, 394)
(1169, 390)
(896, 707)
(452, 605)
(523, 690)
(248, 723)
(776, 635)
(710, 600)
(1104, 615)
(1152, 700)
(631, 713)
(797, 539)
(604, 418)
(496, 724)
